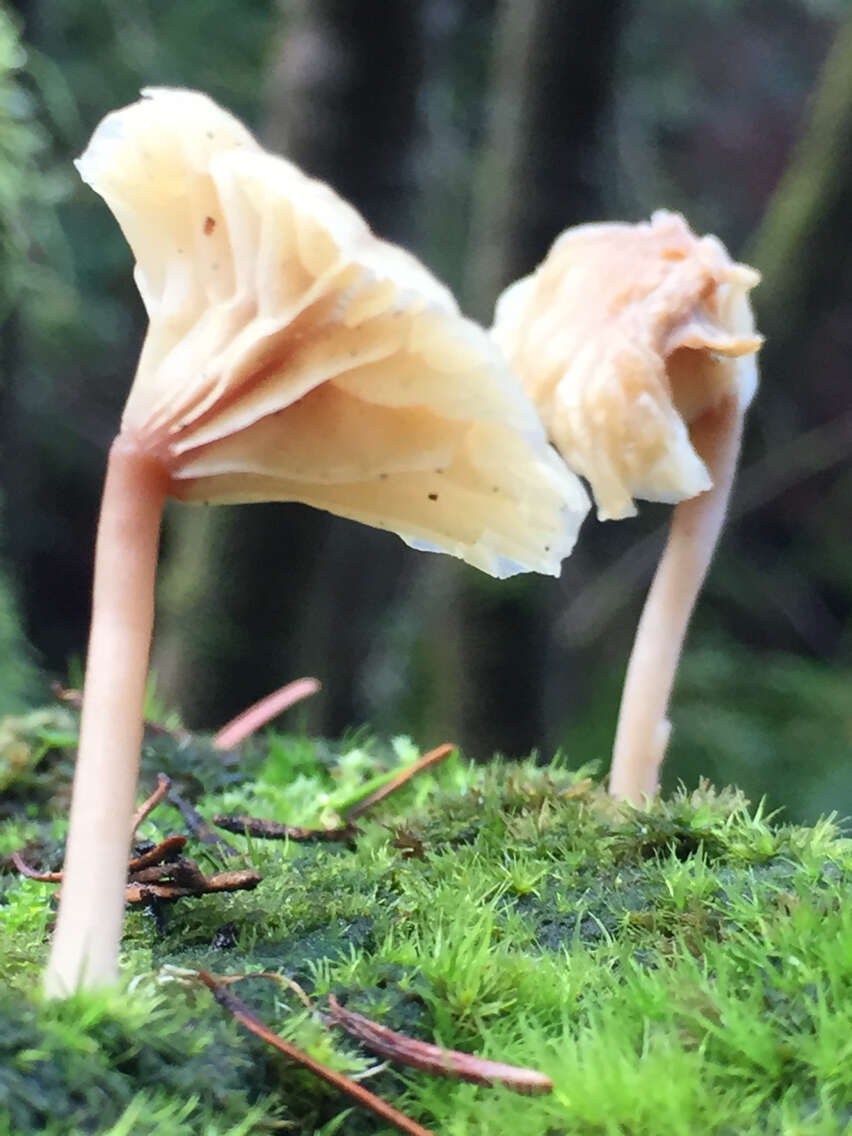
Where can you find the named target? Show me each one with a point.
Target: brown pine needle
(251, 720)
(148, 806)
(434, 1059)
(247, 1018)
(431, 758)
(32, 874)
(273, 830)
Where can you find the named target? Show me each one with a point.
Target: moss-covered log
(686, 969)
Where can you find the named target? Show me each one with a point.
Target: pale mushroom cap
(623, 336)
(292, 355)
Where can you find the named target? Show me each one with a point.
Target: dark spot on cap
(439, 471)
(433, 496)
(383, 477)
(495, 488)
(547, 548)
(209, 225)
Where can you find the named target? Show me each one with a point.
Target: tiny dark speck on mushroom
(209, 225)
(495, 488)
(433, 496)
(439, 471)
(383, 477)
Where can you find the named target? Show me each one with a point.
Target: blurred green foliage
(37, 279)
(780, 729)
(25, 223)
(17, 670)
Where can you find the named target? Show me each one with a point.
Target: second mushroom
(638, 346)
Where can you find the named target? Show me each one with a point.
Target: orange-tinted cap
(624, 335)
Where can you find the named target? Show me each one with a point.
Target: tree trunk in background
(801, 246)
(542, 165)
(803, 308)
(541, 169)
(255, 596)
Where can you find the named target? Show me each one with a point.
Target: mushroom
(637, 345)
(290, 355)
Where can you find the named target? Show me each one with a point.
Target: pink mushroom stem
(643, 728)
(88, 930)
(259, 713)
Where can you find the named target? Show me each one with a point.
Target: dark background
(472, 131)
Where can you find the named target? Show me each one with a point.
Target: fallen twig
(147, 806)
(154, 856)
(144, 892)
(250, 720)
(281, 979)
(183, 872)
(246, 1017)
(243, 880)
(273, 830)
(136, 893)
(167, 849)
(434, 1059)
(161, 874)
(431, 758)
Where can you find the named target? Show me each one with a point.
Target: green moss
(686, 970)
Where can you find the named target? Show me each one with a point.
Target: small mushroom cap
(623, 336)
(292, 355)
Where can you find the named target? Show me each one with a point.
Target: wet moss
(686, 968)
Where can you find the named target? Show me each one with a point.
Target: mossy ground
(683, 970)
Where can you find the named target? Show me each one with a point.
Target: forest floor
(686, 969)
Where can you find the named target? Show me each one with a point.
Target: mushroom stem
(643, 728)
(88, 930)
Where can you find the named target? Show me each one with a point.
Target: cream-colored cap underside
(292, 355)
(623, 336)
